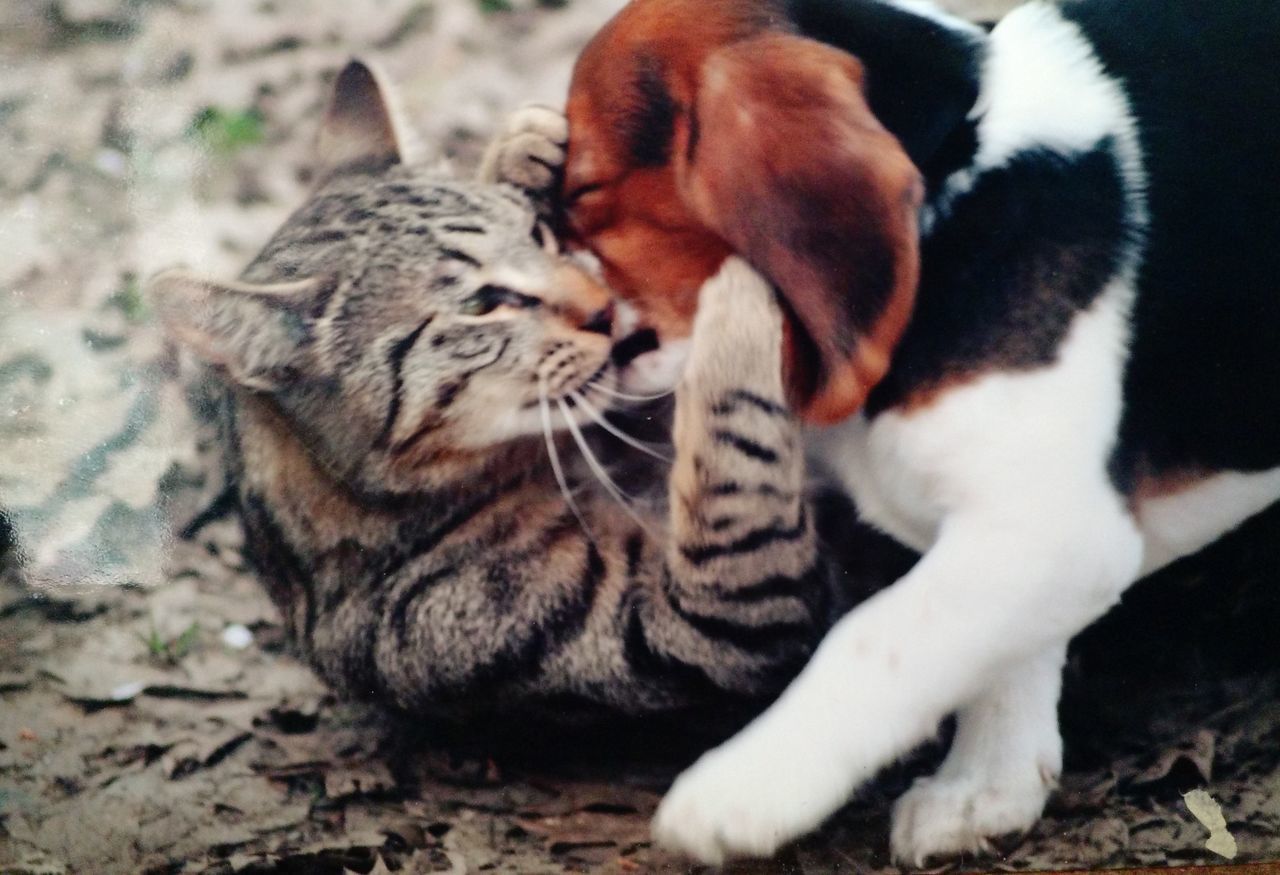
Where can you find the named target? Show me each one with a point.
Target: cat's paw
(737, 332)
(529, 151)
(746, 799)
(944, 816)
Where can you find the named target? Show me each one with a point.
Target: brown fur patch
(776, 155)
(1151, 485)
(279, 467)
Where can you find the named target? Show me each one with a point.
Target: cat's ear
(361, 130)
(260, 335)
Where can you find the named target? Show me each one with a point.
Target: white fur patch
(1004, 482)
(1004, 760)
(653, 372)
(1184, 522)
(656, 371)
(992, 440)
(1043, 87)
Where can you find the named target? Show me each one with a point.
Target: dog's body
(1087, 386)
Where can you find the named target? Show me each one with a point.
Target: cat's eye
(542, 235)
(489, 298)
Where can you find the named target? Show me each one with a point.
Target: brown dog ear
(782, 157)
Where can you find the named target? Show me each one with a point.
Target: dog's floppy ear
(782, 158)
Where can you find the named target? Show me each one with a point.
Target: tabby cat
(406, 366)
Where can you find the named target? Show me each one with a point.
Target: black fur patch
(650, 124)
(395, 361)
(634, 345)
(1028, 248)
(921, 76)
(281, 570)
(1203, 386)
(458, 255)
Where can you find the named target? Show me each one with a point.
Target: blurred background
(151, 719)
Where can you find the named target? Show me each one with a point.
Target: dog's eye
(489, 298)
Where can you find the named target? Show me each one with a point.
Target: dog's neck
(922, 72)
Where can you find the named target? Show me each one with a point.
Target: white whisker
(628, 397)
(554, 455)
(610, 402)
(621, 435)
(596, 468)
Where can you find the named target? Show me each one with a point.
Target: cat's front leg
(529, 150)
(740, 518)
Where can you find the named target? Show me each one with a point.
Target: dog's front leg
(1004, 584)
(1004, 760)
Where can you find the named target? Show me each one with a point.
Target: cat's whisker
(611, 403)
(596, 468)
(554, 455)
(625, 396)
(621, 435)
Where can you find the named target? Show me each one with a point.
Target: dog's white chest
(872, 461)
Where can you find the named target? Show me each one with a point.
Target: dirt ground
(151, 717)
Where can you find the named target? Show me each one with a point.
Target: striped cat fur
(402, 371)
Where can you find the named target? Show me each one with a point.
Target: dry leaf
(358, 779)
(587, 828)
(1182, 763)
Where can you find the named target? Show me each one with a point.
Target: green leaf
(128, 299)
(171, 651)
(226, 132)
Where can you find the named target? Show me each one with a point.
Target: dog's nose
(634, 345)
(599, 322)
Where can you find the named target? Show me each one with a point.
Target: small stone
(125, 692)
(237, 636)
(112, 162)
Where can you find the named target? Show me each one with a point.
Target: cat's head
(400, 316)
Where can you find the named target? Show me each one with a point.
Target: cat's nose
(599, 322)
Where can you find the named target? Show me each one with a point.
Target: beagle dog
(1032, 281)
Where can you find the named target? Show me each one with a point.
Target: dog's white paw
(529, 151)
(743, 803)
(943, 816)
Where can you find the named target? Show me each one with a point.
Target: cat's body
(391, 361)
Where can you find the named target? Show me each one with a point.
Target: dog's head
(703, 127)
